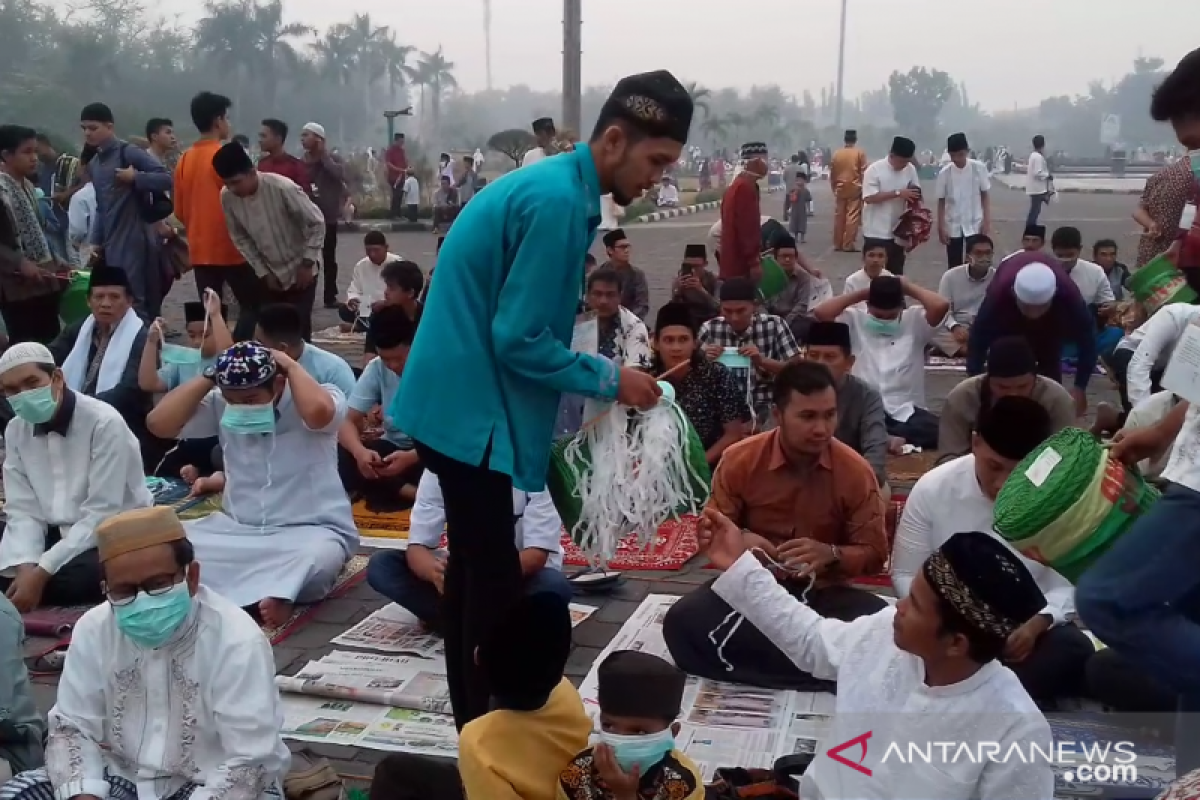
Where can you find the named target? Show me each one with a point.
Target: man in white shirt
(964, 287)
(1047, 652)
(668, 195)
(71, 462)
(82, 206)
(1090, 277)
(543, 131)
(367, 287)
(888, 186)
(1155, 342)
(889, 343)
(909, 676)
(1039, 185)
(414, 578)
(168, 691)
(964, 206)
(1032, 241)
(412, 196)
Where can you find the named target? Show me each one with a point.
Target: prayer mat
(52, 622)
(894, 510)
(386, 525)
(198, 507)
(674, 546)
(351, 575)
(909, 468)
(1155, 762)
(947, 364)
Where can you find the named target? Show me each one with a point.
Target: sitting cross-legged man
(286, 529)
(386, 471)
(414, 578)
(806, 502)
(71, 462)
(168, 691)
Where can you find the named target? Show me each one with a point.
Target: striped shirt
(276, 228)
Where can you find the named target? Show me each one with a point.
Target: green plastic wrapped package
(73, 305)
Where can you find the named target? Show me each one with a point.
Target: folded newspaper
(397, 681)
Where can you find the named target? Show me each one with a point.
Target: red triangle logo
(836, 753)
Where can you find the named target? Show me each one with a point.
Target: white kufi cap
(314, 128)
(25, 353)
(1035, 284)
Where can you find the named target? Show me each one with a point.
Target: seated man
(280, 327)
(190, 675)
(705, 390)
(928, 669)
(791, 304)
(404, 284)
(761, 345)
(101, 355)
(286, 530)
(695, 285)
(537, 723)
(1032, 241)
(889, 344)
(385, 471)
(1156, 341)
(22, 728)
(1092, 280)
(964, 288)
(366, 290)
(1047, 652)
(445, 205)
(1011, 372)
(413, 578)
(802, 497)
(71, 462)
(668, 193)
(874, 259)
(860, 416)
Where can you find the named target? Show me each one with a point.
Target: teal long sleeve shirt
(492, 354)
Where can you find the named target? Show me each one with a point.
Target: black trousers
(198, 453)
(919, 430)
(302, 299)
(77, 583)
(483, 572)
(1119, 363)
(896, 255)
(956, 252)
(407, 776)
(397, 205)
(32, 320)
(756, 661)
(1056, 667)
(246, 289)
(329, 262)
(381, 494)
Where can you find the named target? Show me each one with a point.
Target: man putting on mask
(286, 529)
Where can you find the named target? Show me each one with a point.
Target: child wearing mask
(640, 697)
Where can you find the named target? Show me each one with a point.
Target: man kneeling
(168, 690)
(286, 529)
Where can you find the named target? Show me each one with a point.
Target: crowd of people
(168, 687)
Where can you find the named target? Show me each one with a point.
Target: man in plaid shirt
(754, 345)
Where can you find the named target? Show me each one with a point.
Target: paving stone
(671, 587)
(314, 635)
(285, 656)
(615, 611)
(341, 611)
(631, 589)
(595, 634)
(581, 659)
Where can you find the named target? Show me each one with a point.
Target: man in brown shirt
(846, 170)
(806, 502)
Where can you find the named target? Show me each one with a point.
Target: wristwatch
(210, 372)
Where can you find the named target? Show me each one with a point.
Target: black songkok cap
(1014, 426)
(630, 683)
(675, 314)
(1011, 357)
(886, 293)
(783, 240)
(194, 312)
(96, 112)
(985, 583)
(656, 102)
(905, 148)
(829, 334)
(232, 160)
(753, 150)
(695, 251)
(104, 275)
(737, 290)
(957, 143)
(612, 237)
(543, 124)
(851, 136)
(1035, 230)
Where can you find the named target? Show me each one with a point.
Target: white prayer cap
(314, 128)
(1035, 284)
(25, 353)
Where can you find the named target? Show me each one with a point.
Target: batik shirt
(711, 398)
(769, 334)
(676, 777)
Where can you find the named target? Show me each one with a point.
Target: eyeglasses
(154, 587)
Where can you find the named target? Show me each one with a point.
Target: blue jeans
(389, 574)
(1141, 599)
(1036, 201)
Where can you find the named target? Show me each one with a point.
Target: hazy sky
(1007, 51)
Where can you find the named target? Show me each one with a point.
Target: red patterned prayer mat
(894, 510)
(673, 547)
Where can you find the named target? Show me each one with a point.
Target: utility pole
(572, 70)
(841, 73)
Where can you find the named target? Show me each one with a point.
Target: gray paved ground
(658, 249)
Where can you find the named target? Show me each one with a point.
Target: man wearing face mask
(964, 287)
(741, 223)
(189, 674)
(286, 529)
(71, 462)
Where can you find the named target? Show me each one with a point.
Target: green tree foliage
(918, 97)
(514, 143)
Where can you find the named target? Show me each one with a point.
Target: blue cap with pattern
(246, 365)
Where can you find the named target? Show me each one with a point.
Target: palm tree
(274, 54)
(397, 70)
(335, 63)
(248, 40)
(714, 129)
(700, 96)
(438, 74)
(368, 42)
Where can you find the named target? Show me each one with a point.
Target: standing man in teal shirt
(492, 355)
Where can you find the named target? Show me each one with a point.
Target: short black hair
(207, 108)
(97, 112)
(605, 275)
(156, 124)
(277, 127)
(281, 322)
(13, 136)
(979, 238)
(803, 377)
(375, 239)
(982, 648)
(869, 246)
(1039, 142)
(44, 139)
(1178, 96)
(1066, 238)
(392, 327)
(405, 275)
(1014, 426)
(242, 139)
(610, 117)
(185, 552)
(1102, 244)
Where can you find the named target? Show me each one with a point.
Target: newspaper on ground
(723, 724)
(418, 684)
(393, 629)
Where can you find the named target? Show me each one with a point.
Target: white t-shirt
(532, 156)
(412, 191)
(1037, 174)
(962, 190)
(879, 219)
(366, 283)
(895, 365)
(1092, 282)
(857, 281)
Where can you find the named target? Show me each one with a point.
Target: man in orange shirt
(197, 196)
(741, 218)
(846, 170)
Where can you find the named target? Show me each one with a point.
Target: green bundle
(1068, 502)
